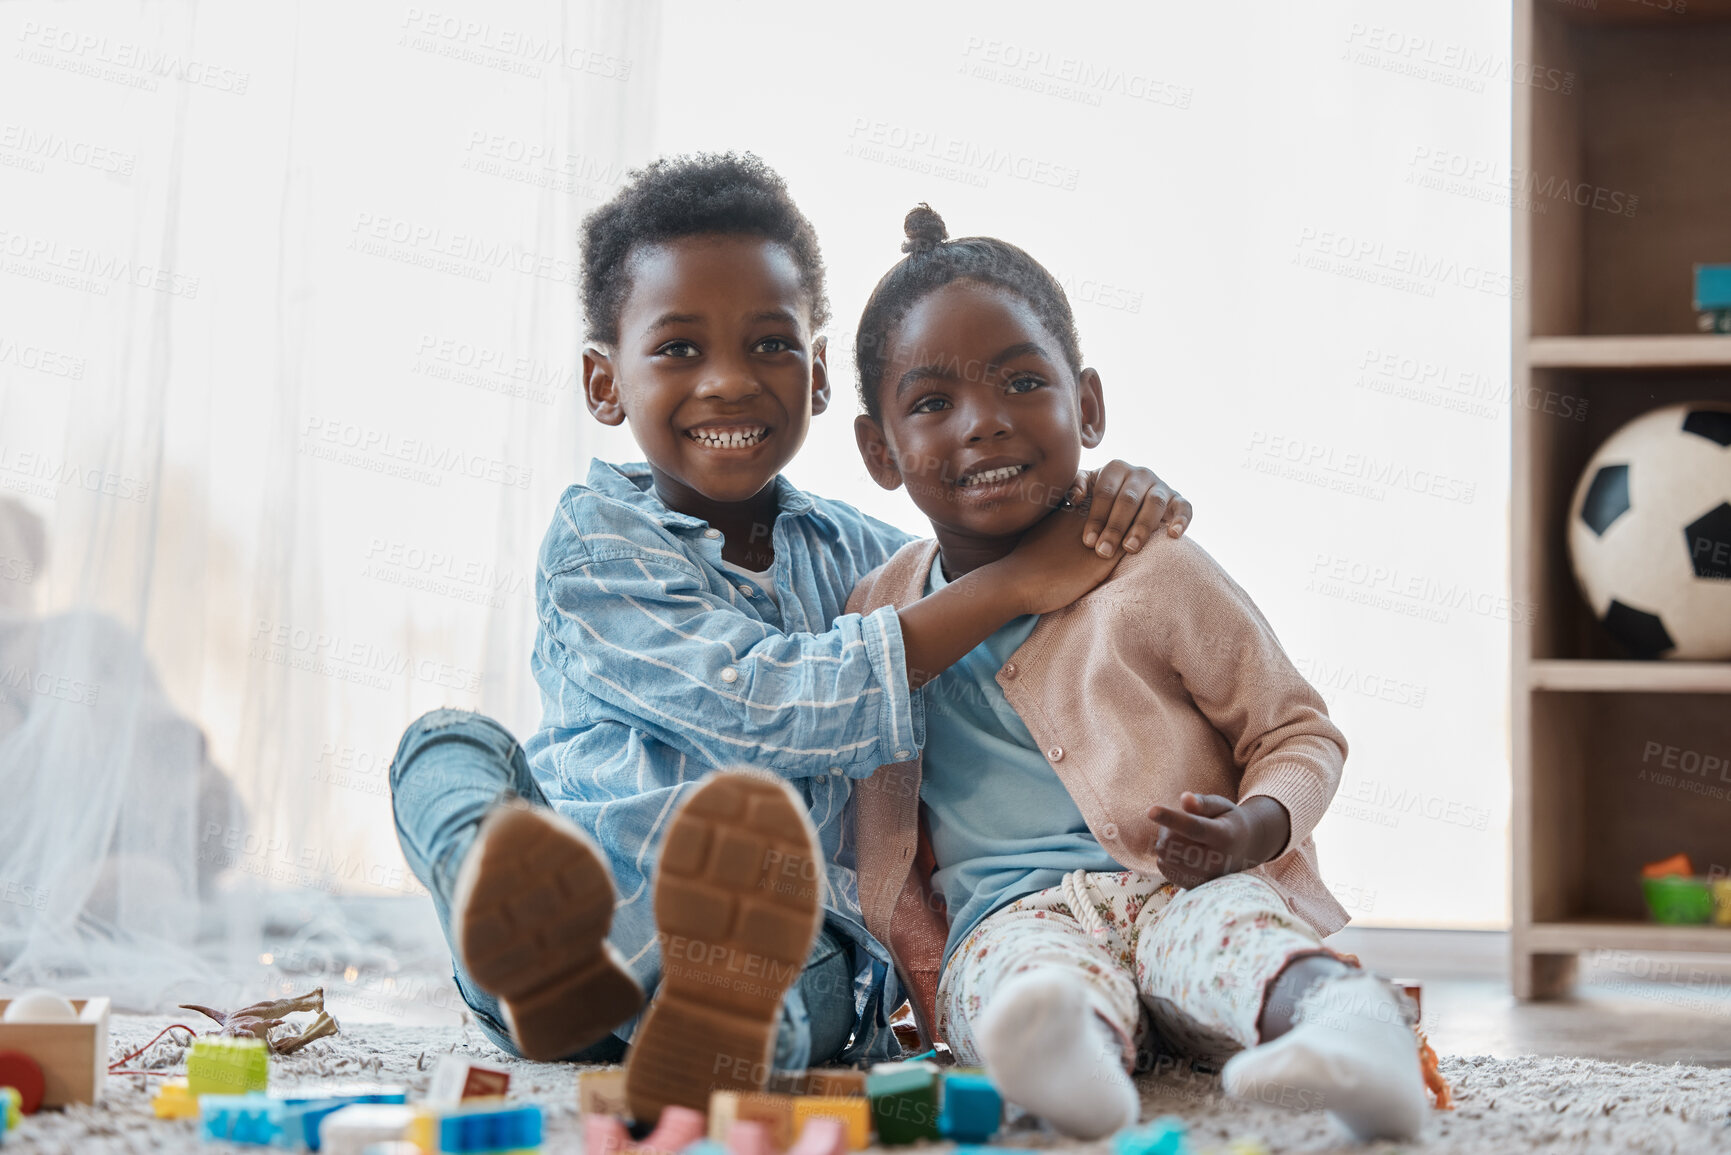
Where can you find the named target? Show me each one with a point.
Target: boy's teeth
(991, 476)
(727, 438)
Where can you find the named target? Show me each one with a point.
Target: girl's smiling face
(982, 417)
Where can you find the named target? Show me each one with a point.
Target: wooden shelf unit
(1604, 329)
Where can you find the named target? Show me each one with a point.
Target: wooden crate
(73, 1056)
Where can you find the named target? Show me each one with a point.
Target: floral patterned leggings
(1199, 959)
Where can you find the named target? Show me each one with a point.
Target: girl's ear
(819, 375)
(1092, 409)
(875, 451)
(600, 390)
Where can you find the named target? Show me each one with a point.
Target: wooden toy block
(458, 1077)
(775, 1112)
(837, 1083)
(747, 1137)
(821, 1136)
(603, 1135)
(351, 1129)
(602, 1092)
(852, 1112)
(677, 1129)
(789, 1082)
(220, 1065)
(24, 1075)
(73, 1056)
(904, 1101)
(174, 1100)
(972, 1108)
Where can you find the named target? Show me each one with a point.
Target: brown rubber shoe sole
(738, 900)
(531, 909)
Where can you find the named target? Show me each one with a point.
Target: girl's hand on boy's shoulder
(1128, 504)
(1211, 836)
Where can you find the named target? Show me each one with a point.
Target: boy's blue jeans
(452, 766)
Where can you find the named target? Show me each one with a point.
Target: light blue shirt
(1001, 823)
(656, 665)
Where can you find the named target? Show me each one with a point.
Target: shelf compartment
(1632, 677)
(1587, 935)
(1630, 352)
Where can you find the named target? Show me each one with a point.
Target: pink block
(748, 1137)
(604, 1135)
(678, 1129)
(822, 1136)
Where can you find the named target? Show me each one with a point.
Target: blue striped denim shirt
(656, 666)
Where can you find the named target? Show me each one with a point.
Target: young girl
(1115, 802)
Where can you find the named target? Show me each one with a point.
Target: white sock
(1050, 1054)
(1352, 1053)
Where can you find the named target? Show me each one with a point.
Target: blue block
(972, 1108)
(1164, 1136)
(476, 1131)
(253, 1118)
(304, 1112)
(1712, 287)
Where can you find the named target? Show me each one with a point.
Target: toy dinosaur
(260, 1019)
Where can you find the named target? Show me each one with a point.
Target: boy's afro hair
(683, 196)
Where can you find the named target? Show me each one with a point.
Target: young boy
(1044, 908)
(692, 617)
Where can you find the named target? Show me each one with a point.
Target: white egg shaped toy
(39, 1006)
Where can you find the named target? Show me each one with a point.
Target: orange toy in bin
(1676, 864)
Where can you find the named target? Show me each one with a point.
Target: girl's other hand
(1129, 504)
(1213, 836)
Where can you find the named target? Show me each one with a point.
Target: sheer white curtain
(288, 357)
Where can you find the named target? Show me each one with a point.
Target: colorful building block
(1164, 1136)
(604, 1135)
(904, 1101)
(471, 1132)
(775, 1112)
(603, 1092)
(678, 1128)
(972, 1107)
(821, 1136)
(220, 1065)
(9, 1112)
(174, 1100)
(458, 1077)
(350, 1129)
(307, 1108)
(836, 1084)
(852, 1112)
(252, 1118)
(749, 1137)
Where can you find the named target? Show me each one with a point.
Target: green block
(227, 1066)
(904, 1102)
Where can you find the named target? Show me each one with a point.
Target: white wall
(1292, 328)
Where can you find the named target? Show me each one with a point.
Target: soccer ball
(1650, 533)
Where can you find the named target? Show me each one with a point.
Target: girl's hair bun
(924, 228)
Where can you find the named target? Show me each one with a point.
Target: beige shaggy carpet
(1504, 1105)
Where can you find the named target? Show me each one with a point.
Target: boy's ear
(600, 390)
(819, 375)
(875, 451)
(1092, 409)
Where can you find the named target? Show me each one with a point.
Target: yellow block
(175, 1100)
(855, 1114)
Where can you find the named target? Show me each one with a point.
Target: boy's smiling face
(715, 367)
(982, 417)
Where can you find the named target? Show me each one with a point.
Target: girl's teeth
(728, 439)
(992, 476)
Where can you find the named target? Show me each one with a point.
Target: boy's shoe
(530, 912)
(738, 902)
